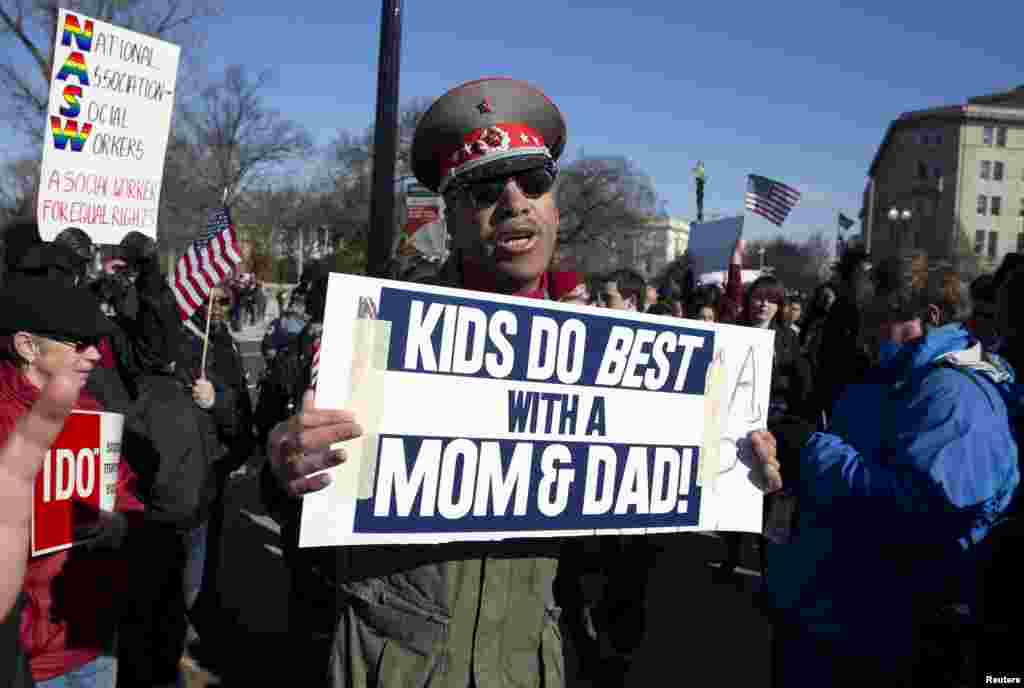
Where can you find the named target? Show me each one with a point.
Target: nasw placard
(78, 479)
(107, 124)
(490, 417)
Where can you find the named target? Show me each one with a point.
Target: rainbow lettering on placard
(74, 66)
(71, 96)
(69, 133)
(83, 37)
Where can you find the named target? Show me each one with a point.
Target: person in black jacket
(791, 373)
(311, 603)
(840, 357)
(220, 390)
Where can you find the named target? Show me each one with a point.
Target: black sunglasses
(79, 344)
(534, 183)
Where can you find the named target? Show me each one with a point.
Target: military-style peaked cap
(486, 128)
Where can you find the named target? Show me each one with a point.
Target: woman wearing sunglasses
(49, 330)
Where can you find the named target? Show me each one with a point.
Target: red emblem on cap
(481, 145)
(485, 106)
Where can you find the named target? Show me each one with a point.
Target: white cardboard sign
(488, 417)
(109, 117)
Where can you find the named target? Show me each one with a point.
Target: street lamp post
(761, 251)
(699, 179)
(900, 217)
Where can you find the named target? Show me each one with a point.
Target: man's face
(899, 332)
(828, 297)
(761, 309)
(882, 331)
(579, 296)
(796, 311)
(221, 305)
(707, 314)
(613, 298)
(515, 234)
(652, 296)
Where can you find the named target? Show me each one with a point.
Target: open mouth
(516, 241)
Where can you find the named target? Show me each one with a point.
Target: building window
(937, 171)
(993, 245)
(996, 205)
(986, 169)
(988, 136)
(983, 205)
(997, 171)
(979, 242)
(1001, 137)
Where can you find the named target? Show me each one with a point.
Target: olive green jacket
(448, 616)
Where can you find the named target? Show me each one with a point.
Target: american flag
(208, 262)
(770, 199)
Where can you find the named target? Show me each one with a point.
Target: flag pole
(209, 304)
(385, 144)
(206, 338)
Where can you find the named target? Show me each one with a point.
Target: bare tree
(19, 180)
(600, 197)
(349, 176)
(800, 265)
(28, 27)
(229, 138)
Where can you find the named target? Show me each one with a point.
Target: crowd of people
(889, 463)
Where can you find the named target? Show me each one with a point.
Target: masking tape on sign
(714, 391)
(370, 343)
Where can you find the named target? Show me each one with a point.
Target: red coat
(72, 596)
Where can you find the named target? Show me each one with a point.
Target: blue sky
(798, 91)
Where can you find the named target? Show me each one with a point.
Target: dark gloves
(791, 435)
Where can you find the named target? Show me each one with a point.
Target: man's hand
(21, 456)
(760, 454)
(301, 446)
(203, 393)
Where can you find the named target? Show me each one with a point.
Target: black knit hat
(50, 308)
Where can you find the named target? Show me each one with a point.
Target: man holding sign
(471, 613)
(50, 331)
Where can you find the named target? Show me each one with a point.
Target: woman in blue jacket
(917, 466)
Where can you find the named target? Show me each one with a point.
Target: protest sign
(488, 417)
(424, 230)
(78, 479)
(109, 116)
(711, 244)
